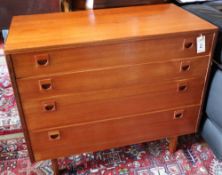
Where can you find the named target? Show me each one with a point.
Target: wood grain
(48, 31)
(109, 55)
(113, 103)
(19, 107)
(173, 144)
(114, 133)
(207, 80)
(29, 88)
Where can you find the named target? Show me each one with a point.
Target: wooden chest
(92, 80)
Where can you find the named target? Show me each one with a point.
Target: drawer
(108, 55)
(52, 143)
(115, 103)
(62, 84)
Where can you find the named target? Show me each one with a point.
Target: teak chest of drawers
(93, 80)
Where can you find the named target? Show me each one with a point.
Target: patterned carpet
(193, 157)
(9, 118)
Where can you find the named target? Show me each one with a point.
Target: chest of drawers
(93, 80)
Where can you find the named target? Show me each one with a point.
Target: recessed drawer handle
(45, 84)
(49, 107)
(54, 135)
(188, 45)
(178, 114)
(42, 60)
(182, 87)
(185, 67)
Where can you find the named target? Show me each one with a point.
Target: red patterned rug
(9, 118)
(193, 157)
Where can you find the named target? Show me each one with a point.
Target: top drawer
(108, 55)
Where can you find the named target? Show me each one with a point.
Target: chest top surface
(61, 30)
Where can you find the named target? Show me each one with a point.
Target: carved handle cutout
(188, 45)
(42, 60)
(49, 106)
(54, 135)
(182, 86)
(185, 67)
(178, 114)
(45, 84)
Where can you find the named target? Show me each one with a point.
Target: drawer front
(113, 133)
(114, 103)
(108, 55)
(32, 88)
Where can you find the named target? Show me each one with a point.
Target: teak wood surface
(61, 30)
(92, 80)
(99, 106)
(110, 55)
(108, 134)
(31, 88)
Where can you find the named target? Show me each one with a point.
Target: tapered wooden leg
(55, 166)
(173, 144)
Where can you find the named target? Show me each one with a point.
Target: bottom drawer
(94, 136)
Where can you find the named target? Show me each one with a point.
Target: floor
(193, 157)
(2, 58)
